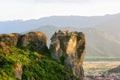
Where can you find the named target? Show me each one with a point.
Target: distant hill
(59, 21)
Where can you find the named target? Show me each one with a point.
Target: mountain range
(59, 21)
(102, 32)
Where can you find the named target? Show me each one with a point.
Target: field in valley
(101, 66)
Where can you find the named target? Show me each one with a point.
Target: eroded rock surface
(35, 41)
(10, 39)
(4, 47)
(69, 49)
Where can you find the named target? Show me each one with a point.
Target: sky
(35, 9)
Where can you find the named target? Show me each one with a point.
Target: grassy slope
(34, 65)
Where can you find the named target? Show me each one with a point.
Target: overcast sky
(35, 9)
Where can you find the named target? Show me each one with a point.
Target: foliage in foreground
(34, 66)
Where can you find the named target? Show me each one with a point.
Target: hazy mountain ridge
(59, 21)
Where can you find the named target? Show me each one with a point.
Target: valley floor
(108, 70)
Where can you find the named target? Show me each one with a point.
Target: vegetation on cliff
(34, 66)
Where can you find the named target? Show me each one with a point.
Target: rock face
(10, 39)
(69, 49)
(4, 47)
(35, 41)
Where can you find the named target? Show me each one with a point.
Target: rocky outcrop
(4, 47)
(37, 41)
(34, 41)
(69, 49)
(10, 39)
(25, 64)
(34, 37)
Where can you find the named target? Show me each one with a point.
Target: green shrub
(34, 66)
(62, 59)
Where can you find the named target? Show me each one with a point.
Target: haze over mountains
(59, 21)
(102, 32)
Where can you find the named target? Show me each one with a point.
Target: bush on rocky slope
(20, 64)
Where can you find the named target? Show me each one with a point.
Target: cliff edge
(69, 48)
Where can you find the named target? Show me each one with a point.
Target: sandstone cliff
(10, 39)
(19, 59)
(69, 49)
(34, 41)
